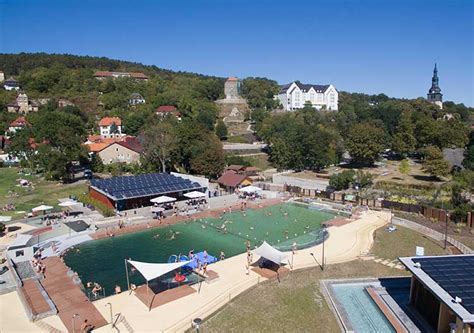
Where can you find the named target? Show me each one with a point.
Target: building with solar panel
(442, 291)
(129, 192)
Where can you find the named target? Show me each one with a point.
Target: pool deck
(345, 243)
(68, 296)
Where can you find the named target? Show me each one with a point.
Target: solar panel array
(455, 274)
(144, 185)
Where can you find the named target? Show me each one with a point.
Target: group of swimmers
(38, 264)
(96, 288)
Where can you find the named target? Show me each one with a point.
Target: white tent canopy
(194, 195)
(5, 218)
(162, 199)
(250, 189)
(268, 252)
(157, 209)
(68, 203)
(151, 271)
(42, 208)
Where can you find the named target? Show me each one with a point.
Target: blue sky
(369, 46)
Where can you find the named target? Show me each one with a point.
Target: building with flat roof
(128, 192)
(442, 291)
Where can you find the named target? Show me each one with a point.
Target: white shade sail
(151, 271)
(41, 208)
(162, 199)
(194, 195)
(68, 203)
(268, 252)
(250, 189)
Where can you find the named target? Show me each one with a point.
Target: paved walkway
(345, 243)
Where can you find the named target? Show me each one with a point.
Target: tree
(434, 164)
(113, 128)
(209, 158)
(160, 143)
(404, 167)
(363, 179)
(404, 141)
(365, 143)
(221, 130)
(342, 181)
(96, 163)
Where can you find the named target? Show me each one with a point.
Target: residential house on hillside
(295, 95)
(125, 151)
(136, 99)
(110, 127)
(165, 110)
(102, 75)
(11, 84)
(62, 102)
(18, 124)
(23, 105)
(111, 150)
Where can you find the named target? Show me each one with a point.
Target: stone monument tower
(233, 109)
(232, 88)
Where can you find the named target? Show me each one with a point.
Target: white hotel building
(294, 95)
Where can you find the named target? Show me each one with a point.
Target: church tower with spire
(434, 94)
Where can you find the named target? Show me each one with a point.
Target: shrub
(104, 209)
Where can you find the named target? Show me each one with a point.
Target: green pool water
(102, 260)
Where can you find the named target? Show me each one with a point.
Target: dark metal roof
(306, 87)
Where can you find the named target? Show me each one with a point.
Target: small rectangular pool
(358, 311)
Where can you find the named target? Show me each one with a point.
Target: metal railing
(432, 234)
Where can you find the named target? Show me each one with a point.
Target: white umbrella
(194, 195)
(162, 199)
(42, 208)
(68, 203)
(157, 209)
(5, 218)
(250, 189)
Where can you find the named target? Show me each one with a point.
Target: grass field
(42, 192)
(402, 243)
(294, 305)
(297, 304)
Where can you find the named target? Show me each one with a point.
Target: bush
(2, 227)
(342, 181)
(104, 209)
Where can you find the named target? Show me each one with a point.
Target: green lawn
(294, 305)
(43, 191)
(402, 243)
(297, 304)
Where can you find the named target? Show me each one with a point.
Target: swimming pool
(358, 309)
(102, 260)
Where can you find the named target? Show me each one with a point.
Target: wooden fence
(429, 212)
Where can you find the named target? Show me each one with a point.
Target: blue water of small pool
(362, 312)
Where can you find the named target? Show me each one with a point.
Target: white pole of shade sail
(126, 272)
